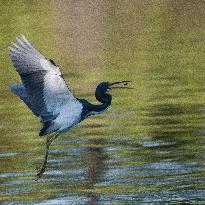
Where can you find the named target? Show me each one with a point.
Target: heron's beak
(123, 85)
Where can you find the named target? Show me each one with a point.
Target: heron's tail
(44, 130)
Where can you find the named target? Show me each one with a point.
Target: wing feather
(42, 79)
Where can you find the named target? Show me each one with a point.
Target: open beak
(122, 84)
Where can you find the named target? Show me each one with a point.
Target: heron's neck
(105, 99)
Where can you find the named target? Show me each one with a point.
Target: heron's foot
(41, 171)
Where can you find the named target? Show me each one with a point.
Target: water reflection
(94, 158)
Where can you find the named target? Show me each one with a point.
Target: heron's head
(106, 87)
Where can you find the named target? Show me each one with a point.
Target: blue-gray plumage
(45, 92)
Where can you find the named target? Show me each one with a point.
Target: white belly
(69, 116)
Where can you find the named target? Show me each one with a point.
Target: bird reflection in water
(94, 158)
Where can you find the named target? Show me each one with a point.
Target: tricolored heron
(45, 92)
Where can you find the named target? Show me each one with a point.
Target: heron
(45, 92)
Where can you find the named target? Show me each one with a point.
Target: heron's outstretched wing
(42, 79)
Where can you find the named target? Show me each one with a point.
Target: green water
(149, 147)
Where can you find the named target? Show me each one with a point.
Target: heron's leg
(51, 138)
(43, 167)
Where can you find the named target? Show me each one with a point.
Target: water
(149, 147)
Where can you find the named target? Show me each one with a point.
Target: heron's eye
(109, 89)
